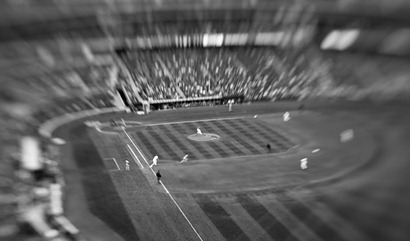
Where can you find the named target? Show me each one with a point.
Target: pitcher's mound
(204, 137)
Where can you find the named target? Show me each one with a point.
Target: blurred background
(66, 56)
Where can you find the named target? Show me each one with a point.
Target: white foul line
(136, 147)
(166, 189)
(191, 121)
(136, 158)
(118, 167)
(116, 164)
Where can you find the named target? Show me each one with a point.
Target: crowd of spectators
(257, 73)
(150, 76)
(90, 79)
(361, 75)
(31, 201)
(25, 195)
(71, 105)
(39, 89)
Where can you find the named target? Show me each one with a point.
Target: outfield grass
(101, 195)
(256, 196)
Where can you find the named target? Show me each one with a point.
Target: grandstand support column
(113, 76)
(130, 80)
(118, 101)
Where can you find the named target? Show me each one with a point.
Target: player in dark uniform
(268, 147)
(158, 176)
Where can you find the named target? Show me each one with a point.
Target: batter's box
(112, 164)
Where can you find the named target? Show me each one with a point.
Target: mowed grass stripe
(182, 130)
(266, 220)
(349, 209)
(271, 137)
(227, 146)
(269, 134)
(259, 139)
(293, 224)
(98, 185)
(305, 215)
(208, 154)
(151, 146)
(205, 149)
(162, 128)
(278, 135)
(231, 143)
(191, 126)
(221, 219)
(184, 148)
(154, 148)
(179, 128)
(241, 217)
(167, 146)
(145, 145)
(180, 150)
(238, 137)
(190, 149)
(348, 229)
(216, 146)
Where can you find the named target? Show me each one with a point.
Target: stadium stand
(42, 68)
(257, 73)
(72, 105)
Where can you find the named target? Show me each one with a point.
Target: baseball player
(184, 159)
(127, 165)
(198, 131)
(154, 161)
(303, 164)
(158, 174)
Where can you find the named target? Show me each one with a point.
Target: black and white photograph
(204, 120)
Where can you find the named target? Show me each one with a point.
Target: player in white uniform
(184, 159)
(303, 164)
(127, 165)
(286, 116)
(347, 135)
(198, 131)
(154, 161)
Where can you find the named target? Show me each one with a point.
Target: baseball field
(232, 187)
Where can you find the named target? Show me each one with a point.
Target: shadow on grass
(101, 195)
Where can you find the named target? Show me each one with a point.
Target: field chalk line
(165, 188)
(136, 158)
(115, 161)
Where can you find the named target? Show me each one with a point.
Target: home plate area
(220, 139)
